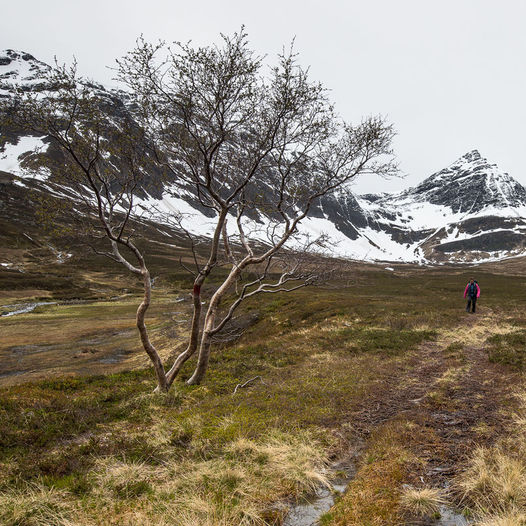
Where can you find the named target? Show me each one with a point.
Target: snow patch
(10, 157)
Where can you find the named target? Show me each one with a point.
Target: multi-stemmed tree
(257, 149)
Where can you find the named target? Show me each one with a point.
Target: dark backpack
(472, 290)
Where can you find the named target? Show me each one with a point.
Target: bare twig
(248, 382)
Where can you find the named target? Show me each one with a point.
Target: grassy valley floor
(384, 370)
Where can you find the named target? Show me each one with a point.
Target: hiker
(472, 291)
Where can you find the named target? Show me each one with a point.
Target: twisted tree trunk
(194, 338)
(145, 339)
(209, 328)
(204, 348)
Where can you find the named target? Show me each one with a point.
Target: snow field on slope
(310, 228)
(9, 158)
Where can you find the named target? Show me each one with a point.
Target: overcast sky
(450, 74)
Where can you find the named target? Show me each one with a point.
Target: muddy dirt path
(450, 390)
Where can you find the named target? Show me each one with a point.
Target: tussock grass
(250, 476)
(491, 324)
(37, 505)
(495, 478)
(508, 348)
(124, 479)
(509, 518)
(238, 487)
(494, 481)
(423, 501)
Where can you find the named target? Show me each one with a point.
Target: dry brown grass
(494, 481)
(423, 501)
(478, 332)
(237, 488)
(509, 518)
(37, 505)
(452, 376)
(243, 484)
(495, 477)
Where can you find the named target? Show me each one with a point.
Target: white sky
(449, 74)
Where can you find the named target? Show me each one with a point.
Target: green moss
(76, 483)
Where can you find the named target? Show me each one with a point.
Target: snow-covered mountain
(469, 211)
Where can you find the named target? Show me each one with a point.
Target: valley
(202, 325)
(382, 372)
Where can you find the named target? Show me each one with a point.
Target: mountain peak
(471, 184)
(471, 163)
(19, 69)
(472, 155)
(471, 159)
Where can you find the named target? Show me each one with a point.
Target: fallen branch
(240, 386)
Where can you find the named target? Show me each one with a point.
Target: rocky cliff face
(469, 211)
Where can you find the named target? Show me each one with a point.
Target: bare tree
(259, 150)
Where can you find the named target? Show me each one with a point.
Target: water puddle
(308, 511)
(23, 308)
(449, 517)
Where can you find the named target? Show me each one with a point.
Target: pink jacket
(467, 287)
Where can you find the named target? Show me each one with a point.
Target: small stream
(22, 308)
(307, 512)
(449, 517)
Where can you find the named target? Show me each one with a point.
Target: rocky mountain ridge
(469, 211)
